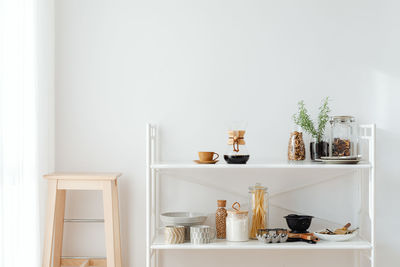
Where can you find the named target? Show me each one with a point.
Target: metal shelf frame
(154, 243)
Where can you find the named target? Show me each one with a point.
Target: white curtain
(22, 94)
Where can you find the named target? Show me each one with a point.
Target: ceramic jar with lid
(237, 224)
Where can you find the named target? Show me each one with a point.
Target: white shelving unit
(357, 244)
(277, 165)
(363, 245)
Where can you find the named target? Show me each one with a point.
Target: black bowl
(298, 223)
(236, 159)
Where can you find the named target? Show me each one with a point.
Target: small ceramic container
(201, 234)
(174, 234)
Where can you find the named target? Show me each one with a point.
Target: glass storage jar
(237, 224)
(344, 137)
(296, 148)
(258, 206)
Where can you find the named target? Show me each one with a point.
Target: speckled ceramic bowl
(183, 218)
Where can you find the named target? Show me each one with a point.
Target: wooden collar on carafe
(236, 138)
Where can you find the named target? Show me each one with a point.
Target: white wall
(194, 66)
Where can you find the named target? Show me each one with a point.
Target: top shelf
(267, 165)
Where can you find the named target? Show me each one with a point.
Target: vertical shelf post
(372, 191)
(148, 194)
(368, 133)
(154, 206)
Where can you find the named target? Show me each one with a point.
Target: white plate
(335, 238)
(183, 218)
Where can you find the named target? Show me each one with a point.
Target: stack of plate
(341, 160)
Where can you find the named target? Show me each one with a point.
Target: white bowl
(183, 218)
(335, 238)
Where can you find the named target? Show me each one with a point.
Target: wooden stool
(58, 183)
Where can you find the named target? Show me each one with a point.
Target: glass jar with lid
(237, 224)
(343, 137)
(258, 208)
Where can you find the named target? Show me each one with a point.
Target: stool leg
(117, 233)
(111, 224)
(49, 230)
(59, 227)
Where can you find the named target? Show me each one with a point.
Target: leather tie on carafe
(235, 142)
(235, 139)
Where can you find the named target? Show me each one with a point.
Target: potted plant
(318, 146)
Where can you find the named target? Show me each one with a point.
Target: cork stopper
(221, 203)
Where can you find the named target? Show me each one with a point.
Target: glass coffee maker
(236, 152)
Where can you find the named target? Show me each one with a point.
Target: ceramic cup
(174, 234)
(208, 156)
(201, 234)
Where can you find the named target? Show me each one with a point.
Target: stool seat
(58, 183)
(82, 176)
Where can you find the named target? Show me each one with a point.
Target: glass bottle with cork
(220, 219)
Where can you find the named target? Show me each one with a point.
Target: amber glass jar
(296, 148)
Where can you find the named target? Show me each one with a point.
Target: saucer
(205, 162)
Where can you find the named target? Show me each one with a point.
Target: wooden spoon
(308, 236)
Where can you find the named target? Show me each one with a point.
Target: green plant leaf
(303, 119)
(323, 117)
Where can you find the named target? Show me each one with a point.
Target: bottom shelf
(355, 244)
